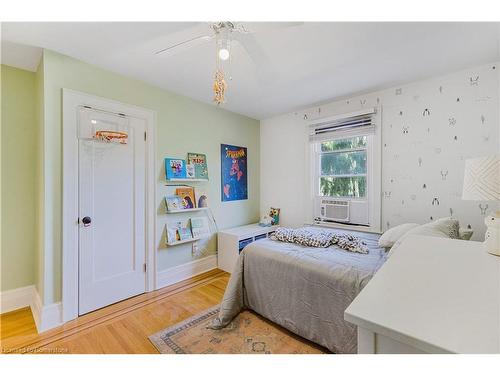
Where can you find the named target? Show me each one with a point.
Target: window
(345, 178)
(343, 167)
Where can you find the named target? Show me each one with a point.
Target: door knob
(86, 221)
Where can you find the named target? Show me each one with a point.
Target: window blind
(343, 126)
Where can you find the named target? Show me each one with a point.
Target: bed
(303, 289)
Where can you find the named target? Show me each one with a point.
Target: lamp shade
(482, 179)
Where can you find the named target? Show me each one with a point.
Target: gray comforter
(303, 289)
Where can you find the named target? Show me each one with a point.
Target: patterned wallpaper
(428, 129)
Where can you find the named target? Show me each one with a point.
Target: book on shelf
(179, 231)
(199, 161)
(187, 196)
(175, 168)
(190, 171)
(200, 226)
(201, 196)
(173, 203)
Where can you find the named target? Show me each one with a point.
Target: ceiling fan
(224, 34)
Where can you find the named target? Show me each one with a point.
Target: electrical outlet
(194, 248)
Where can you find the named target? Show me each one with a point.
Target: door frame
(72, 100)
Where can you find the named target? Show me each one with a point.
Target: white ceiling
(288, 67)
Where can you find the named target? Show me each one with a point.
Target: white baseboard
(185, 271)
(46, 317)
(14, 299)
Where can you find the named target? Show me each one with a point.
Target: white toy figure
(492, 237)
(266, 221)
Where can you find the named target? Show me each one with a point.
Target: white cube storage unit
(232, 241)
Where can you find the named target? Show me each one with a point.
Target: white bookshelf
(187, 210)
(187, 180)
(186, 241)
(232, 241)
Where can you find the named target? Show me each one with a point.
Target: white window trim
(71, 101)
(374, 180)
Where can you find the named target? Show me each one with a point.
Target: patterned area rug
(248, 333)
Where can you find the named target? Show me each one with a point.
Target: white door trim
(71, 101)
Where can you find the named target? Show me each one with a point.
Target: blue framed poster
(234, 178)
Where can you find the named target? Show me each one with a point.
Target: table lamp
(482, 183)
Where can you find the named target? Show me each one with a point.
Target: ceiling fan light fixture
(223, 54)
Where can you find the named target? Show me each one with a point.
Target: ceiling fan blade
(262, 62)
(201, 37)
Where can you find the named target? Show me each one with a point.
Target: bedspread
(302, 289)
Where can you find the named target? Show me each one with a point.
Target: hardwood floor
(120, 328)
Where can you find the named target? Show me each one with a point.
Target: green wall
(18, 213)
(184, 125)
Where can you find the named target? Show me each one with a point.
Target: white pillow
(390, 236)
(445, 228)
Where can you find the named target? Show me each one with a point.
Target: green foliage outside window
(343, 173)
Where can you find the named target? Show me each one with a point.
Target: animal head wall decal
(483, 209)
(474, 81)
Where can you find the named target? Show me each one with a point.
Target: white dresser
(433, 295)
(232, 241)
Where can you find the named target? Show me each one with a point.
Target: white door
(112, 217)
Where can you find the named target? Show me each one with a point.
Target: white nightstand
(232, 241)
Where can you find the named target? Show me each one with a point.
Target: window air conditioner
(334, 210)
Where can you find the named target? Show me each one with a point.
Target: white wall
(462, 105)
